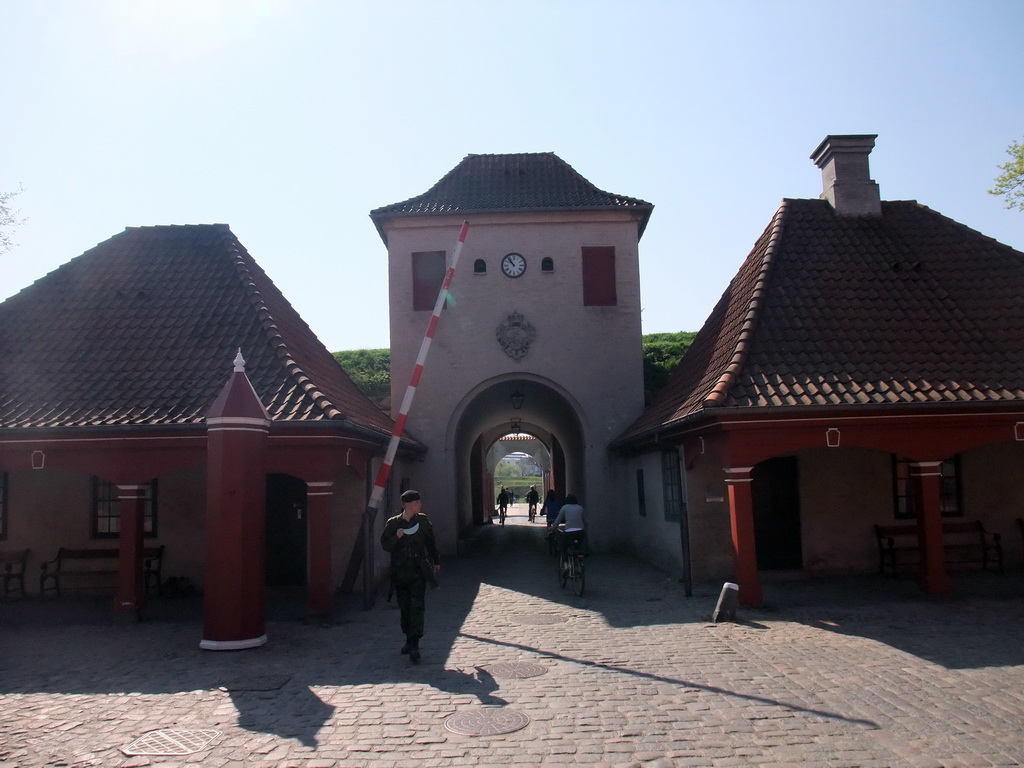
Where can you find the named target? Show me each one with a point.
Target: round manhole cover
(487, 722)
(537, 619)
(515, 669)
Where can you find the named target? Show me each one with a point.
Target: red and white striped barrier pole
(403, 413)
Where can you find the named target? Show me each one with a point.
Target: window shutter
(599, 276)
(428, 270)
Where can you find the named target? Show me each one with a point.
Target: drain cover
(487, 722)
(537, 619)
(171, 742)
(515, 669)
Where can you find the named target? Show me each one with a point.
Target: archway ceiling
(544, 413)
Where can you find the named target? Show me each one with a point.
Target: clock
(513, 264)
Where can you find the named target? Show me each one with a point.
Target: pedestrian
(550, 511)
(409, 537)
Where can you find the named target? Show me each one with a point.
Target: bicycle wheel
(579, 575)
(563, 572)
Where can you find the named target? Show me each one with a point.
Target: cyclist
(503, 499)
(532, 497)
(575, 520)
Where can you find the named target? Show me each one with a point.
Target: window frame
(106, 508)
(672, 485)
(904, 490)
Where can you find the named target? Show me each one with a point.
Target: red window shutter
(428, 270)
(599, 276)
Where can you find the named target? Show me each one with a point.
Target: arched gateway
(540, 332)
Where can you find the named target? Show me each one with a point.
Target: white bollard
(726, 608)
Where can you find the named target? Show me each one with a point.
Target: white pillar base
(232, 645)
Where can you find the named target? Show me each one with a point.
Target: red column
(131, 594)
(931, 576)
(321, 576)
(741, 515)
(234, 581)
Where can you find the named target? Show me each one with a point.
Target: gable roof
(907, 309)
(539, 181)
(142, 330)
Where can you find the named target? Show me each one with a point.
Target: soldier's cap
(410, 496)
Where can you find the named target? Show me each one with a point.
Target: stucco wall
(593, 354)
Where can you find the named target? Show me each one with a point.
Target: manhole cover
(171, 742)
(515, 669)
(486, 722)
(537, 619)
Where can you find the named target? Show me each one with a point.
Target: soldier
(409, 538)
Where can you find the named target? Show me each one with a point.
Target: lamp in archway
(517, 400)
(515, 427)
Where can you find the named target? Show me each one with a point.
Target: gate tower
(540, 334)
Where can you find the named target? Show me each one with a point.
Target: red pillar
(131, 594)
(234, 582)
(931, 576)
(321, 576)
(741, 515)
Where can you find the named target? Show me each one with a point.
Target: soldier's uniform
(408, 554)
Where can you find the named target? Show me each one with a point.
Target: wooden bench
(14, 569)
(966, 542)
(94, 567)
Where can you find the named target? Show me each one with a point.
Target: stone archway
(486, 415)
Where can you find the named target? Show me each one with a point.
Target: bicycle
(502, 514)
(572, 567)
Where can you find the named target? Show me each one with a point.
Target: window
(3, 506)
(599, 277)
(641, 494)
(106, 510)
(672, 485)
(905, 489)
(547, 264)
(479, 268)
(428, 270)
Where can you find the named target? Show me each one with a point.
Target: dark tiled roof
(143, 329)
(539, 181)
(910, 308)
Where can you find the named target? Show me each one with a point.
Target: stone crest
(515, 335)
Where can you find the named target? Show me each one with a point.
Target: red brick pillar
(131, 594)
(321, 575)
(931, 576)
(234, 581)
(741, 516)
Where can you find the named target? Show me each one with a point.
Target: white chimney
(845, 175)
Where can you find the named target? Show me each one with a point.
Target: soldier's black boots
(412, 647)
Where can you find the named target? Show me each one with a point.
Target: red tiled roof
(539, 181)
(910, 308)
(143, 329)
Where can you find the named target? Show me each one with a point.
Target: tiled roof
(539, 181)
(910, 308)
(143, 329)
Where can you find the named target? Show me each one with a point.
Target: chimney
(845, 175)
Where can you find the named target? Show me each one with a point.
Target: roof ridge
(746, 333)
(274, 336)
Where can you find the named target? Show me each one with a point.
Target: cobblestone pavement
(848, 672)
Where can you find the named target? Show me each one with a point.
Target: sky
(291, 121)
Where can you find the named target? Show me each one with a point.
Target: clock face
(513, 264)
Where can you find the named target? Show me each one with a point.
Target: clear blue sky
(290, 121)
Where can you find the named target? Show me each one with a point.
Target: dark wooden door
(776, 498)
(286, 531)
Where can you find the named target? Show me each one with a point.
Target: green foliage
(369, 369)
(1010, 183)
(662, 353)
